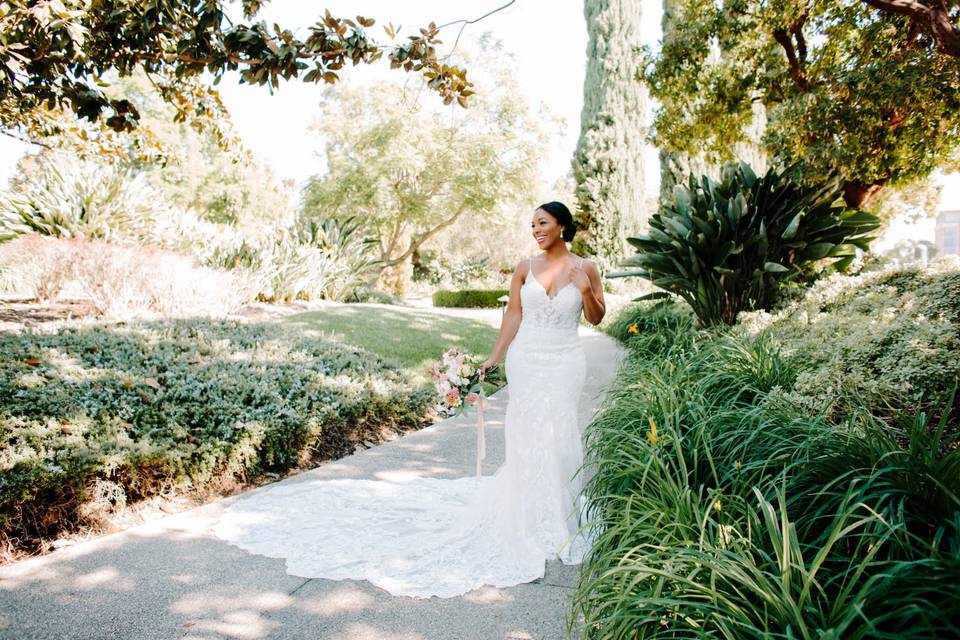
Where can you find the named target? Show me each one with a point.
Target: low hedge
(473, 298)
(96, 417)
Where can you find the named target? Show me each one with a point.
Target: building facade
(947, 233)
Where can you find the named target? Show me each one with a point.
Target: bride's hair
(559, 211)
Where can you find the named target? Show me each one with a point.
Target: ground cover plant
(96, 417)
(782, 478)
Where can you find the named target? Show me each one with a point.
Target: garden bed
(99, 418)
(794, 476)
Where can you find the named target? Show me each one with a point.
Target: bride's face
(546, 230)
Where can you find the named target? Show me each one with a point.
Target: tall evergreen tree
(608, 163)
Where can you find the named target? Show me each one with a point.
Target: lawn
(411, 338)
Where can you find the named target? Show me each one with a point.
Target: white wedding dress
(444, 537)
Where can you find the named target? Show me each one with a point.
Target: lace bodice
(540, 311)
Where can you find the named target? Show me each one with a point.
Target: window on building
(950, 242)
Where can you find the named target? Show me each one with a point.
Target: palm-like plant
(342, 256)
(728, 246)
(313, 258)
(69, 197)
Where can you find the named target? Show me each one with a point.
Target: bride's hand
(489, 364)
(579, 277)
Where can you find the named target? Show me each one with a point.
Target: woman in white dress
(444, 537)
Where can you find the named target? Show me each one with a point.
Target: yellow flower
(652, 434)
(633, 328)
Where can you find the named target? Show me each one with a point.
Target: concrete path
(172, 578)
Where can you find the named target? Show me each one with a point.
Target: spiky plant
(70, 197)
(727, 246)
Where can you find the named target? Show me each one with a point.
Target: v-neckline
(543, 288)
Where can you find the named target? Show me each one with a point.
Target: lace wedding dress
(444, 537)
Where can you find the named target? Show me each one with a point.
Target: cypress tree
(608, 162)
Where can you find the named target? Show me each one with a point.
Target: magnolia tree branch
(932, 16)
(52, 59)
(463, 24)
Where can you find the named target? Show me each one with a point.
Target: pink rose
(472, 398)
(453, 394)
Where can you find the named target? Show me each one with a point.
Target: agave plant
(342, 256)
(70, 197)
(729, 246)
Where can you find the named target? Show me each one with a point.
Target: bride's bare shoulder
(522, 267)
(589, 265)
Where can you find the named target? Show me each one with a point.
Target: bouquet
(458, 380)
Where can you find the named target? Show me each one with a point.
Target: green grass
(409, 338)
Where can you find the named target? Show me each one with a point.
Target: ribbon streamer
(481, 443)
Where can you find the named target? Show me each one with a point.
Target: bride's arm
(511, 318)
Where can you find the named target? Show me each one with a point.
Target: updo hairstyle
(563, 216)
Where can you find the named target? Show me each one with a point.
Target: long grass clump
(726, 508)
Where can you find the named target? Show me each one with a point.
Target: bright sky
(548, 38)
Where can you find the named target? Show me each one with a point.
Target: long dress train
(442, 537)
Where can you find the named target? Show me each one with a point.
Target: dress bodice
(540, 311)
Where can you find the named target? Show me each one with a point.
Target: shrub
(889, 340)
(724, 509)
(369, 294)
(436, 269)
(728, 246)
(123, 282)
(477, 298)
(184, 405)
(35, 264)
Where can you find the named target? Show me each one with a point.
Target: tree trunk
(857, 193)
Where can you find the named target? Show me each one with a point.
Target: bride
(444, 537)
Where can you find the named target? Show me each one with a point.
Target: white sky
(548, 37)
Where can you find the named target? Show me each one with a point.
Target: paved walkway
(172, 578)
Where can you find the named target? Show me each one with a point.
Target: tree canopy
(411, 172)
(55, 54)
(847, 87)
